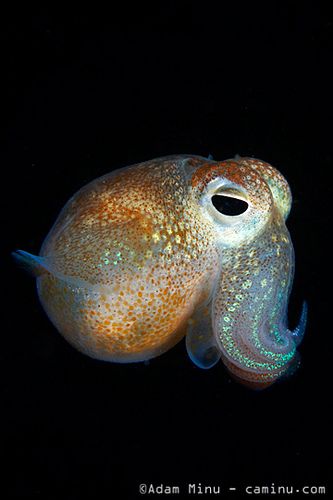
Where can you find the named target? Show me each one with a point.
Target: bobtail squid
(180, 245)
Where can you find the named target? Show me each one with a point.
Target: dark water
(90, 91)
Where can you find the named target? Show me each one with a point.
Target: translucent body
(140, 257)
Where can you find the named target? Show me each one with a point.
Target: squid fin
(200, 341)
(33, 264)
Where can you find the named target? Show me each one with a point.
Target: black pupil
(228, 205)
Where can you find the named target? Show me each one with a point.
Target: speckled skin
(140, 257)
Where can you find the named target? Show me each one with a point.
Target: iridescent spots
(141, 257)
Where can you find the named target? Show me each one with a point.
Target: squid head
(249, 326)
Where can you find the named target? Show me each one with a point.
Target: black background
(90, 91)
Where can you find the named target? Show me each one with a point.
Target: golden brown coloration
(138, 256)
(136, 262)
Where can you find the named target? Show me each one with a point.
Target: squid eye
(228, 205)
